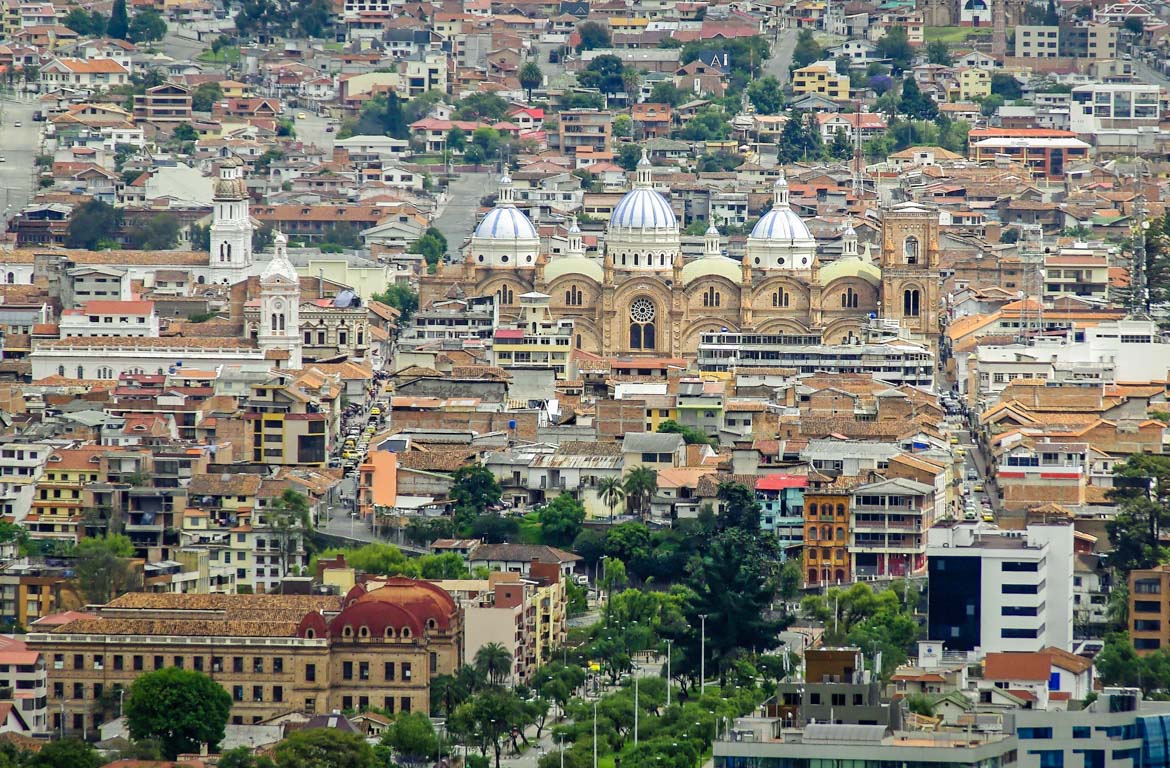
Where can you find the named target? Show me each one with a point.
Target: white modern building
(126, 319)
(1100, 107)
(994, 590)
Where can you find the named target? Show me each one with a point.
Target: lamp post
(594, 733)
(668, 642)
(121, 695)
(636, 705)
(702, 653)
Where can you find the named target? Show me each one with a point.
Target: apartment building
(781, 500)
(23, 673)
(125, 319)
(1037, 42)
(538, 340)
(1119, 727)
(888, 524)
(1149, 608)
(379, 645)
(1004, 590)
(827, 558)
(821, 78)
(1100, 107)
(21, 465)
(585, 130)
(1076, 274)
(163, 104)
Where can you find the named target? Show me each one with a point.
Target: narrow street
(19, 153)
(457, 220)
(782, 50)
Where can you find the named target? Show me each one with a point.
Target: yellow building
(538, 340)
(629, 25)
(821, 78)
(234, 89)
(58, 505)
(974, 83)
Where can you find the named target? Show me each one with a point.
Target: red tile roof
(1017, 666)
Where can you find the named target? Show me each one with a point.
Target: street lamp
(594, 735)
(702, 653)
(635, 705)
(668, 642)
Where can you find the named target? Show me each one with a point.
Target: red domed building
(390, 639)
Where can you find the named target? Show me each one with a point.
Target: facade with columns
(641, 297)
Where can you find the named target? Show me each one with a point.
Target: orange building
(826, 531)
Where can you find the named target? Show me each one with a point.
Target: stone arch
(866, 296)
(782, 326)
(843, 330)
(589, 333)
(588, 289)
(505, 284)
(697, 328)
(909, 300)
(712, 294)
(798, 293)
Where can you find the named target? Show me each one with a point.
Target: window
(347, 702)
(849, 299)
(910, 302)
(257, 665)
(137, 665)
(780, 299)
(434, 662)
(1034, 733)
(406, 672)
(1049, 758)
(277, 665)
(1019, 610)
(405, 704)
(79, 690)
(837, 699)
(78, 661)
(159, 663)
(1082, 732)
(310, 673)
(573, 296)
(1020, 589)
(277, 693)
(910, 250)
(364, 669)
(389, 671)
(237, 693)
(642, 328)
(1011, 633)
(711, 298)
(257, 693)
(1018, 567)
(347, 670)
(388, 704)
(238, 664)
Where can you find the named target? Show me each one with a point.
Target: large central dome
(781, 239)
(506, 223)
(643, 207)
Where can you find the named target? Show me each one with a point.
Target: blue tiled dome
(643, 208)
(781, 224)
(506, 223)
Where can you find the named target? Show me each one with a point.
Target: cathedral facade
(641, 298)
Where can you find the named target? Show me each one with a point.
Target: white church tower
(231, 226)
(280, 301)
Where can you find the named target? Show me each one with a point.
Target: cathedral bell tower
(910, 271)
(231, 226)
(280, 301)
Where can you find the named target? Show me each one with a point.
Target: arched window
(635, 259)
(578, 341)
(221, 252)
(573, 296)
(280, 317)
(780, 299)
(812, 533)
(60, 370)
(711, 298)
(841, 510)
(812, 575)
(105, 373)
(273, 326)
(910, 250)
(849, 299)
(642, 313)
(840, 534)
(812, 509)
(11, 278)
(229, 252)
(910, 302)
(81, 372)
(504, 295)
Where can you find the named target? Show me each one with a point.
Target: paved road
(458, 218)
(782, 50)
(182, 47)
(19, 147)
(311, 130)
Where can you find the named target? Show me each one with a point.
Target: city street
(457, 220)
(311, 129)
(19, 148)
(782, 50)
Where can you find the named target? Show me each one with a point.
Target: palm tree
(494, 662)
(611, 491)
(531, 77)
(640, 485)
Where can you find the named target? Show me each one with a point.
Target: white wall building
(126, 319)
(995, 590)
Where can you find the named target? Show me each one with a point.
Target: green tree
(937, 52)
(456, 139)
(807, 49)
(640, 485)
(147, 26)
(628, 155)
(1133, 25)
(690, 435)
(841, 148)
(493, 662)
(412, 737)
(666, 92)
(474, 155)
(1006, 85)
(66, 753)
(1141, 490)
(342, 234)
(324, 748)
(482, 106)
(990, 104)
(205, 95)
(739, 508)
(242, 757)
(593, 35)
(103, 568)
(895, 47)
(708, 125)
(531, 77)
(766, 95)
(612, 492)
(184, 133)
(119, 24)
(289, 519)
(488, 719)
(623, 126)
(401, 297)
(916, 104)
(474, 491)
(91, 222)
(85, 23)
(180, 708)
(561, 521)
(158, 233)
(432, 245)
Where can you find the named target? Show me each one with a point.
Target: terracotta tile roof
(437, 461)
(224, 485)
(1017, 666)
(180, 627)
(580, 448)
(522, 553)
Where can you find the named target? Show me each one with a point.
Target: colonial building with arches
(642, 298)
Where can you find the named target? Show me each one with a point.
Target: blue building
(781, 499)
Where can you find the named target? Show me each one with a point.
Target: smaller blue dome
(781, 224)
(506, 223)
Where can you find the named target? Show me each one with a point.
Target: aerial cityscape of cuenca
(585, 384)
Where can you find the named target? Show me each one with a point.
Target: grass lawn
(226, 55)
(952, 35)
(530, 528)
(427, 159)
